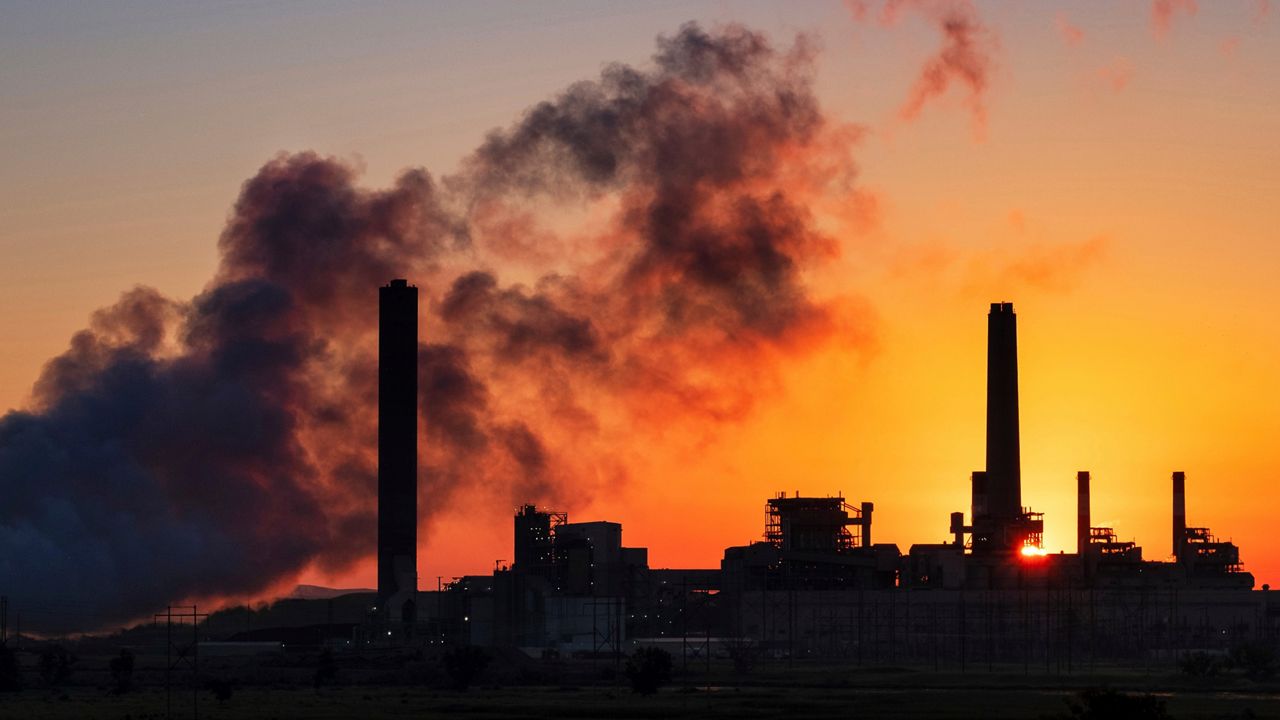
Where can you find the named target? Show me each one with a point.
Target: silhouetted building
(813, 543)
(1207, 561)
(534, 540)
(816, 586)
(397, 450)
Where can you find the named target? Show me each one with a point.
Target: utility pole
(180, 654)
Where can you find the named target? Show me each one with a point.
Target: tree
(55, 665)
(464, 664)
(122, 672)
(649, 669)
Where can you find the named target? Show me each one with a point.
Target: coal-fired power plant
(814, 584)
(397, 450)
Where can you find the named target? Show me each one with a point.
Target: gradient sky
(1122, 192)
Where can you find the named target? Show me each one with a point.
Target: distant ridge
(318, 592)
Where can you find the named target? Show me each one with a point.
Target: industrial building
(815, 584)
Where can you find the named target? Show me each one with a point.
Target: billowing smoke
(965, 58)
(632, 251)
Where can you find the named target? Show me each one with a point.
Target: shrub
(55, 665)
(1095, 704)
(464, 664)
(122, 672)
(1199, 664)
(326, 669)
(1255, 659)
(744, 652)
(221, 689)
(649, 669)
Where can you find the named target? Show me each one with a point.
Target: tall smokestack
(1083, 520)
(1179, 513)
(397, 449)
(1004, 474)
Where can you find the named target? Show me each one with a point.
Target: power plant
(816, 584)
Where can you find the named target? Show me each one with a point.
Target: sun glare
(1031, 551)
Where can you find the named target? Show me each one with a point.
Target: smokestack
(1083, 521)
(867, 509)
(1179, 513)
(397, 449)
(957, 528)
(979, 506)
(1004, 474)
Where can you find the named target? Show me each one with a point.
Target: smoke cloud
(1164, 11)
(966, 58)
(1071, 34)
(1117, 73)
(222, 445)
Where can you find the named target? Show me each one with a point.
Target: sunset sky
(1111, 168)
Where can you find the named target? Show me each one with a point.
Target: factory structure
(816, 584)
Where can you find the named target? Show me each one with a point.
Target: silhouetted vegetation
(55, 665)
(1257, 660)
(1199, 664)
(464, 664)
(10, 673)
(649, 669)
(221, 688)
(1095, 704)
(744, 652)
(122, 672)
(326, 669)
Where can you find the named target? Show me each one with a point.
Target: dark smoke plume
(221, 446)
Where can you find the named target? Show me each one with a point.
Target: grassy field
(858, 694)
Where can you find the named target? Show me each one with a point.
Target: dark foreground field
(831, 693)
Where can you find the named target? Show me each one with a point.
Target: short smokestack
(979, 505)
(1179, 514)
(397, 450)
(1083, 520)
(1004, 474)
(957, 528)
(867, 509)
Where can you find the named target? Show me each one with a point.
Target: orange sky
(1122, 193)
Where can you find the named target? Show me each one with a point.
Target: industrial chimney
(1083, 520)
(1004, 474)
(397, 450)
(1179, 514)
